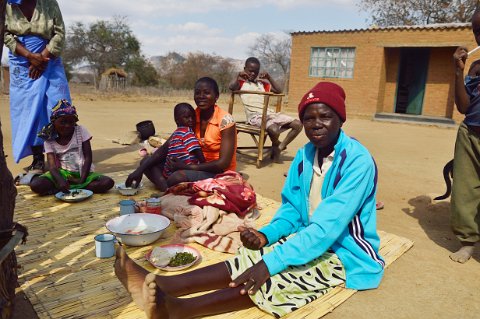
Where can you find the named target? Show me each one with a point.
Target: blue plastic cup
(105, 245)
(127, 206)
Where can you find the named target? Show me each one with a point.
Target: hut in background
(113, 78)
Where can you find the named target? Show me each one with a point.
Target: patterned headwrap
(62, 108)
(18, 2)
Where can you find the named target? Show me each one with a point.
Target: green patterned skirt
(66, 174)
(296, 286)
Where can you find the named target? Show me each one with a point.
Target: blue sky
(223, 27)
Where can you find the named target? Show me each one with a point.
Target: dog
(447, 175)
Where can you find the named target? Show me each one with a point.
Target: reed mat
(63, 279)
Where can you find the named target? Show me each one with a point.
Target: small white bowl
(138, 229)
(128, 191)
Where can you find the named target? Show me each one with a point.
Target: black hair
(182, 107)
(252, 60)
(211, 82)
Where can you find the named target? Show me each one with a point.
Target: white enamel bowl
(138, 229)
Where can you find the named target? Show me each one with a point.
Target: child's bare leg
(295, 128)
(155, 175)
(101, 184)
(42, 186)
(132, 277)
(157, 304)
(464, 253)
(274, 134)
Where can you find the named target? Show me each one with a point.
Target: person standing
(35, 36)
(465, 203)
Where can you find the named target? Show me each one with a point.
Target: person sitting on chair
(250, 79)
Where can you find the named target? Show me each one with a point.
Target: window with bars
(332, 62)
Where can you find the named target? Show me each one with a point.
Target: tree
(106, 44)
(167, 67)
(273, 51)
(180, 72)
(144, 74)
(418, 12)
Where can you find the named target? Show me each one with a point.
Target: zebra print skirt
(293, 288)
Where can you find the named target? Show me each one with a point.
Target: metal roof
(437, 26)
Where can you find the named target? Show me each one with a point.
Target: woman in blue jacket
(323, 234)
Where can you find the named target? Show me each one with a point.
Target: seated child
(69, 155)
(250, 79)
(183, 145)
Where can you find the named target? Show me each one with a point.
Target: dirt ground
(423, 283)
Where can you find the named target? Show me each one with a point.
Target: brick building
(399, 71)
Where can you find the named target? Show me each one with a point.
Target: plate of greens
(173, 257)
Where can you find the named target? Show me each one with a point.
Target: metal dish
(75, 195)
(128, 191)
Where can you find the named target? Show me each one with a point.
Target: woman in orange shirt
(216, 131)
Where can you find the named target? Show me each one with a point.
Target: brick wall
(373, 86)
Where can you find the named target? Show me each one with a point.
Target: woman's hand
(460, 57)
(38, 60)
(252, 238)
(34, 73)
(136, 177)
(253, 278)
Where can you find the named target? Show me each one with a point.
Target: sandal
(379, 205)
(25, 178)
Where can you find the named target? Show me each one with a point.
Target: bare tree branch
(418, 12)
(273, 51)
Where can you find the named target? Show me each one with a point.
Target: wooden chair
(258, 134)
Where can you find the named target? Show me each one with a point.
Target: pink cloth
(208, 226)
(227, 191)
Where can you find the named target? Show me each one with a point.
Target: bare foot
(463, 254)
(154, 299)
(131, 275)
(276, 155)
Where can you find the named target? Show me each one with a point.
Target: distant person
(323, 235)
(251, 80)
(35, 35)
(69, 156)
(216, 132)
(465, 201)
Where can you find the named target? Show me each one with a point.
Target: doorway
(412, 77)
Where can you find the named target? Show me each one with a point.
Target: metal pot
(146, 129)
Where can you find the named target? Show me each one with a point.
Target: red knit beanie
(327, 93)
